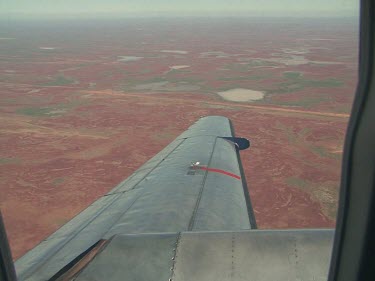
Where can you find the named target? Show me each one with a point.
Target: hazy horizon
(163, 8)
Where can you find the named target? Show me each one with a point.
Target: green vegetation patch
(243, 78)
(35, 111)
(292, 74)
(163, 135)
(298, 182)
(4, 161)
(61, 80)
(295, 81)
(297, 84)
(50, 111)
(130, 82)
(145, 71)
(258, 63)
(295, 77)
(304, 101)
(58, 181)
(217, 106)
(323, 152)
(326, 194)
(168, 81)
(190, 80)
(326, 83)
(10, 101)
(236, 67)
(293, 136)
(246, 66)
(179, 71)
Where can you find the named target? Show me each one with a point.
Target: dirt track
(257, 107)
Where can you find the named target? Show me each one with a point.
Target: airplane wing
(184, 215)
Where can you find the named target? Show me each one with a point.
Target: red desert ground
(76, 98)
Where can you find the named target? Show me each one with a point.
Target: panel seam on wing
(140, 195)
(192, 220)
(174, 258)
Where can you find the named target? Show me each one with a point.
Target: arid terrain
(85, 103)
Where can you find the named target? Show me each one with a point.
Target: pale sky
(314, 8)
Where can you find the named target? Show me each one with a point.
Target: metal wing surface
(169, 193)
(184, 215)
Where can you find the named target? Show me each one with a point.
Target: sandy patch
(317, 39)
(284, 59)
(327, 62)
(154, 86)
(47, 48)
(174, 52)
(56, 111)
(291, 60)
(241, 95)
(296, 51)
(70, 69)
(214, 54)
(217, 54)
(179, 66)
(128, 58)
(166, 86)
(34, 91)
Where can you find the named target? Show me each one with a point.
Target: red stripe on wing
(219, 171)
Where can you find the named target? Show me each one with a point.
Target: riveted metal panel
(254, 255)
(133, 257)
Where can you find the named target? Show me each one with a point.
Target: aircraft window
(89, 93)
